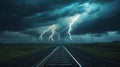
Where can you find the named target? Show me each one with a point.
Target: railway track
(59, 57)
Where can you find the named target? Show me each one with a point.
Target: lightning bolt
(41, 36)
(75, 18)
(52, 28)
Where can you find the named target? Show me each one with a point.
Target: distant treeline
(25, 44)
(116, 41)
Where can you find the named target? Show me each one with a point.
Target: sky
(59, 21)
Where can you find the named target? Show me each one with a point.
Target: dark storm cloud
(108, 20)
(31, 17)
(60, 9)
(99, 26)
(12, 12)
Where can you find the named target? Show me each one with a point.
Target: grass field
(9, 52)
(107, 50)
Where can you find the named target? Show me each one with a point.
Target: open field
(89, 55)
(9, 52)
(109, 51)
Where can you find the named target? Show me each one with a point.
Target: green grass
(9, 52)
(109, 51)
